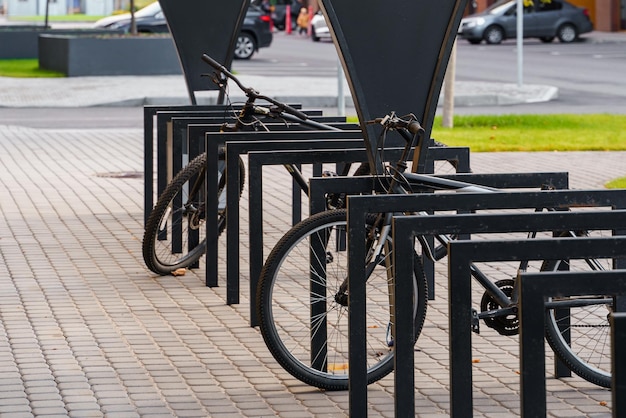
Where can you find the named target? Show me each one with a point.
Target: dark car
(278, 11)
(543, 19)
(255, 30)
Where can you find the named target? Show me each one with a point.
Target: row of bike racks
(371, 59)
(308, 147)
(317, 147)
(180, 136)
(463, 252)
(167, 138)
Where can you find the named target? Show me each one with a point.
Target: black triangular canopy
(203, 27)
(394, 53)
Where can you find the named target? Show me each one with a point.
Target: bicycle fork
(374, 257)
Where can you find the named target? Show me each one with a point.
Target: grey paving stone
(88, 326)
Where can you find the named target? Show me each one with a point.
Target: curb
(497, 94)
(487, 95)
(319, 92)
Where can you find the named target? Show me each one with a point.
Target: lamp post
(520, 43)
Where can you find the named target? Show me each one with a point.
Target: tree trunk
(448, 90)
(45, 23)
(133, 23)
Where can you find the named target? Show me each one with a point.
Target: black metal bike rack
(618, 345)
(256, 162)
(534, 288)
(218, 139)
(348, 143)
(412, 80)
(358, 206)
(178, 131)
(321, 186)
(233, 151)
(150, 113)
(171, 139)
(177, 127)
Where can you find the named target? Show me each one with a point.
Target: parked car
(149, 19)
(319, 28)
(255, 31)
(543, 19)
(279, 11)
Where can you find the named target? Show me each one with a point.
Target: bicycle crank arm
(495, 313)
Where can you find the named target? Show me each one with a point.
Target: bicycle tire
(589, 352)
(163, 254)
(285, 309)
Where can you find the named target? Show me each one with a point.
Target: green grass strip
(493, 133)
(56, 18)
(595, 132)
(619, 183)
(25, 68)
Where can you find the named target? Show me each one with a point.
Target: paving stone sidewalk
(87, 331)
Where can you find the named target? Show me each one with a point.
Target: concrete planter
(108, 55)
(21, 41)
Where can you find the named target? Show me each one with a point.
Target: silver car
(543, 19)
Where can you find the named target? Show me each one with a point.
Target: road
(292, 55)
(589, 75)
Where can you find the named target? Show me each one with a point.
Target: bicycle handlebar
(394, 122)
(219, 67)
(250, 92)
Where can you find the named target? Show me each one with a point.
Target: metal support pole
(341, 97)
(520, 43)
(618, 345)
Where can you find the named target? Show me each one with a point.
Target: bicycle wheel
(303, 311)
(175, 233)
(588, 353)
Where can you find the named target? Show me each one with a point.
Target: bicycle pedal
(475, 322)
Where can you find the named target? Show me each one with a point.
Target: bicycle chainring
(505, 324)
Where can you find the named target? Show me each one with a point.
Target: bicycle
(174, 235)
(302, 292)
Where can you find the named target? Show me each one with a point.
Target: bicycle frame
(439, 252)
(248, 117)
